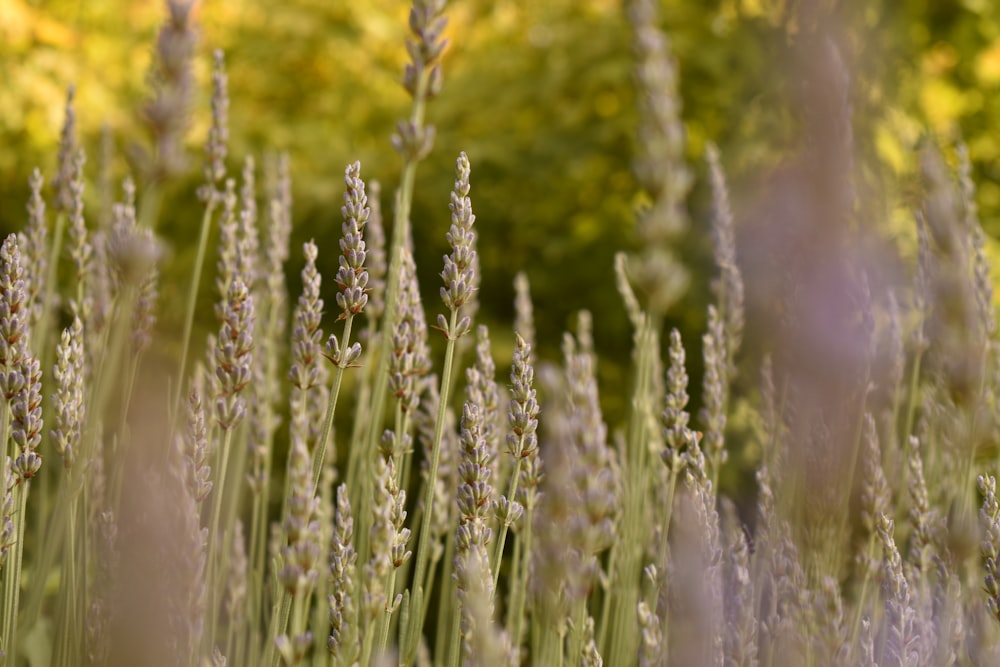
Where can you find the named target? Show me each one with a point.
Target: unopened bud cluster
(459, 266)
(475, 493)
(410, 356)
(68, 400)
(233, 355)
(352, 277)
(306, 332)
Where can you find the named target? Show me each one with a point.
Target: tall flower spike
(980, 261)
(388, 539)
(422, 76)
(67, 153)
(217, 144)
(659, 166)
(481, 389)
(593, 470)
(69, 399)
(922, 516)
(483, 645)
(425, 50)
(166, 114)
(716, 389)
(233, 355)
(675, 415)
(79, 247)
(409, 360)
(7, 532)
(344, 641)
(227, 266)
(728, 286)
(524, 317)
(34, 244)
(26, 419)
(900, 614)
(302, 553)
(131, 253)
(236, 584)
(459, 267)
(306, 331)
(301, 526)
(522, 440)
(475, 493)
(990, 517)
(144, 315)
(13, 315)
(523, 417)
(197, 467)
(352, 277)
(875, 493)
(377, 266)
(279, 232)
(248, 245)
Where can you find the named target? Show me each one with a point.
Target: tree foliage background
(540, 95)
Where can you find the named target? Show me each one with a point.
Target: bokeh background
(539, 94)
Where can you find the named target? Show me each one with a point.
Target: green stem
(338, 377)
(366, 650)
(856, 625)
(505, 525)
(192, 302)
(10, 645)
(279, 621)
(149, 206)
(911, 401)
(447, 598)
(255, 601)
(362, 424)
(385, 619)
(520, 596)
(214, 587)
(424, 541)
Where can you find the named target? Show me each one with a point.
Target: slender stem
(602, 629)
(447, 598)
(71, 564)
(10, 645)
(521, 592)
(505, 525)
(856, 625)
(192, 302)
(911, 401)
(338, 377)
(213, 541)
(366, 650)
(279, 621)
(400, 234)
(55, 536)
(255, 601)
(385, 619)
(455, 638)
(834, 553)
(362, 424)
(513, 581)
(8, 446)
(424, 540)
(149, 205)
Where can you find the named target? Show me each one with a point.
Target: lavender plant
(534, 530)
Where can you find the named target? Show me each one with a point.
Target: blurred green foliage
(540, 95)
